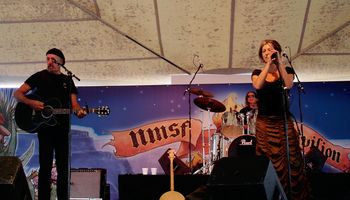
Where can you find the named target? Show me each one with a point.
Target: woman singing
(271, 82)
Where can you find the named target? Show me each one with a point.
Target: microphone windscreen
(274, 56)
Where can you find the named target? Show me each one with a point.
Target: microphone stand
(69, 73)
(70, 81)
(285, 119)
(188, 90)
(300, 90)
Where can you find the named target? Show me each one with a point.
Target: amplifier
(87, 183)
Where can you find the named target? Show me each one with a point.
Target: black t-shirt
(48, 86)
(53, 90)
(270, 96)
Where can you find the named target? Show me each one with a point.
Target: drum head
(231, 126)
(242, 146)
(232, 131)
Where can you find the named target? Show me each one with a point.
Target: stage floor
(324, 186)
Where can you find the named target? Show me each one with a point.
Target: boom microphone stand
(300, 90)
(69, 92)
(285, 119)
(188, 90)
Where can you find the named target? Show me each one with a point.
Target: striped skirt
(271, 142)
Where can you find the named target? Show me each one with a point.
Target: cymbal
(200, 92)
(209, 104)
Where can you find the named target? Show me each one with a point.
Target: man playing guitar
(53, 138)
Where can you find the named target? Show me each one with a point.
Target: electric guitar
(172, 195)
(30, 120)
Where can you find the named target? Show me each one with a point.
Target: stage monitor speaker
(244, 178)
(315, 160)
(13, 181)
(179, 166)
(88, 183)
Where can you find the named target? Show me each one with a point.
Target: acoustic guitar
(172, 195)
(30, 120)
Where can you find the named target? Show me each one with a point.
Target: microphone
(274, 56)
(200, 63)
(59, 64)
(64, 67)
(55, 61)
(199, 60)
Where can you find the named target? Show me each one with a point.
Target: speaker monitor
(13, 182)
(179, 166)
(252, 177)
(315, 160)
(88, 183)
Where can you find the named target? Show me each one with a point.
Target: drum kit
(232, 139)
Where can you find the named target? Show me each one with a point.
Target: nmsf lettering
(158, 133)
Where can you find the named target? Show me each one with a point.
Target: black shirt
(53, 90)
(47, 86)
(270, 96)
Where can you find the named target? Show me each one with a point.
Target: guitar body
(172, 195)
(30, 120)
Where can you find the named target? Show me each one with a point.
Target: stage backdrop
(144, 121)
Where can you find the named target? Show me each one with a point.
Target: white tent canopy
(141, 42)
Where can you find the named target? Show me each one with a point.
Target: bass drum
(243, 145)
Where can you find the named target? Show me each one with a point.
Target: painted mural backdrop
(145, 121)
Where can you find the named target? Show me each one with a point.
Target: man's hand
(36, 105)
(80, 113)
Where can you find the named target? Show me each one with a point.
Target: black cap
(56, 52)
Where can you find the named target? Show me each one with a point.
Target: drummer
(250, 112)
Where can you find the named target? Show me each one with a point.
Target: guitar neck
(58, 111)
(171, 174)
